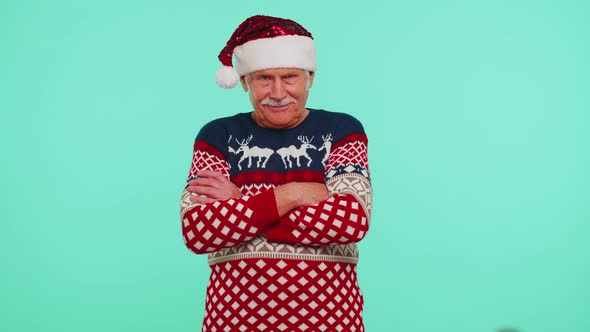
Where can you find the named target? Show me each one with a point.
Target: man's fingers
(212, 174)
(201, 199)
(202, 190)
(204, 182)
(213, 185)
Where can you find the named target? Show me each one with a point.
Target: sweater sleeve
(344, 217)
(224, 223)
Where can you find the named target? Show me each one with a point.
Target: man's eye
(290, 78)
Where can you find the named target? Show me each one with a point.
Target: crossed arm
(215, 215)
(211, 186)
(307, 213)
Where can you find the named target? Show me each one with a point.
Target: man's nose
(277, 90)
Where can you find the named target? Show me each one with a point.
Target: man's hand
(211, 186)
(295, 194)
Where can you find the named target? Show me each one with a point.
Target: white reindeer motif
(249, 152)
(292, 151)
(327, 146)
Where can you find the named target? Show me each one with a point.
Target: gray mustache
(279, 103)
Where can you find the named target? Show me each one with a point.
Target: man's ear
(311, 77)
(244, 85)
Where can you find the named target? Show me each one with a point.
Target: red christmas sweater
(290, 273)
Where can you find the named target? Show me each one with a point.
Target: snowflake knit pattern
(290, 273)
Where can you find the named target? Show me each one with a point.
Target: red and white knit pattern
(261, 247)
(338, 220)
(283, 295)
(344, 217)
(295, 273)
(206, 158)
(352, 152)
(223, 224)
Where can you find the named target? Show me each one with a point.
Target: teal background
(478, 120)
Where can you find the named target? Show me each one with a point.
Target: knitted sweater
(296, 272)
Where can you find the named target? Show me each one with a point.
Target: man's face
(278, 96)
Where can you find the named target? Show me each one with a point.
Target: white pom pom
(227, 77)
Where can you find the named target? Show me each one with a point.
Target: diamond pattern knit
(290, 273)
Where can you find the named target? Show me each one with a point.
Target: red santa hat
(263, 42)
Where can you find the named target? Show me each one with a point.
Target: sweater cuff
(280, 233)
(265, 208)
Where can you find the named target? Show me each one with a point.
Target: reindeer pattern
(289, 155)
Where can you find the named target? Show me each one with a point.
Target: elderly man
(279, 196)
